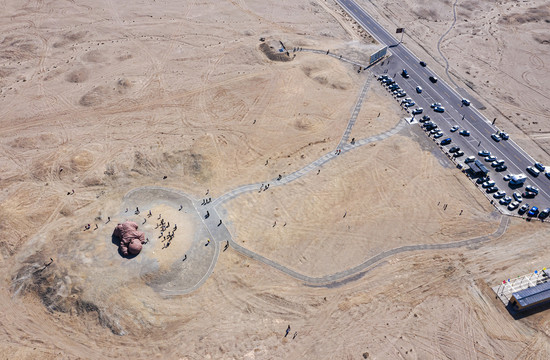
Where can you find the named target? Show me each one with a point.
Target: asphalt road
(466, 117)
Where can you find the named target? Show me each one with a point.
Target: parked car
(533, 212)
(426, 117)
(499, 194)
(417, 111)
(438, 135)
(547, 174)
(528, 194)
(405, 74)
(495, 137)
(454, 128)
(466, 102)
(507, 177)
(446, 141)
(435, 104)
(433, 79)
(531, 188)
(544, 213)
(497, 163)
(513, 205)
(459, 153)
(501, 168)
(523, 209)
(504, 136)
(382, 77)
(488, 184)
(531, 170)
(540, 167)
(505, 200)
(484, 153)
(401, 94)
(423, 64)
(482, 179)
(419, 89)
(490, 158)
(491, 189)
(517, 197)
(464, 133)
(409, 104)
(454, 149)
(470, 159)
(439, 109)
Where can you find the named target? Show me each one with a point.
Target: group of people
(164, 226)
(206, 201)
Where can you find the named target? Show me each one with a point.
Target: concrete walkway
(337, 277)
(219, 233)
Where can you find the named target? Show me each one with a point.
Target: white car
(513, 206)
(454, 128)
(419, 89)
(470, 159)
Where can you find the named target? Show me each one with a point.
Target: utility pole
(401, 31)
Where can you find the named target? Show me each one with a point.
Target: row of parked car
(537, 169)
(392, 86)
(512, 202)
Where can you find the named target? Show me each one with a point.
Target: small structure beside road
(525, 292)
(530, 297)
(478, 169)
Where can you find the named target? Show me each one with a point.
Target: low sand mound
(274, 54)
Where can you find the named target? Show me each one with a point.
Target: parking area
(468, 147)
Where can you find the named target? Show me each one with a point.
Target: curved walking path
(355, 112)
(306, 169)
(337, 277)
(439, 44)
(219, 233)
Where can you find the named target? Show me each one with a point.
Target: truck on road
(517, 180)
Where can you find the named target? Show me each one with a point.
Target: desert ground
(386, 251)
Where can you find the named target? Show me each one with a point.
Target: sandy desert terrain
(108, 106)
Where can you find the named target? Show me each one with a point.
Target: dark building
(478, 168)
(531, 296)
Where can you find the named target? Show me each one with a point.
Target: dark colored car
(544, 213)
(481, 180)
(454, 149)
(501, 168)
(446, 141)
(528, 194)
(433, 79)
(523, 209)
(423, 64)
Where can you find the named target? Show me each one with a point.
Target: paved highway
(466, 117)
